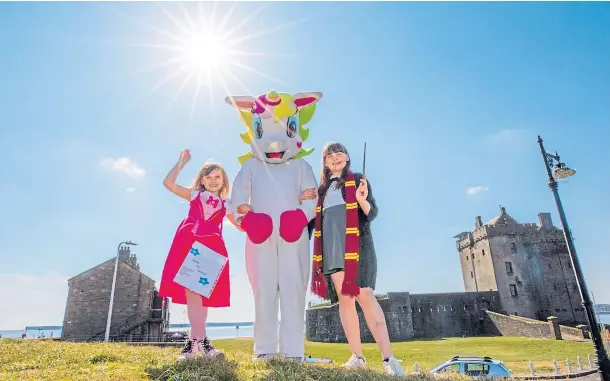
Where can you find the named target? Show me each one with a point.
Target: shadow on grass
(199, 369)
(281, 370)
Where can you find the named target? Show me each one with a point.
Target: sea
(215, 331)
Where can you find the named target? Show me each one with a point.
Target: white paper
(201, 269)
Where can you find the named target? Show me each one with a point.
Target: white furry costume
(271, 179)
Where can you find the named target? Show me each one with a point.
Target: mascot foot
(292, 223)
(258, 226)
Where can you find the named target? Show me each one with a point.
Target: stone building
(527, 264)
(138, 314)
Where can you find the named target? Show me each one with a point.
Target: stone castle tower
(527, 264)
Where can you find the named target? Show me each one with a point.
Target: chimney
(124, 253)
(478, 223)
(545, 220)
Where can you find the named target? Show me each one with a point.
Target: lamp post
(116, 267)
(561, 171)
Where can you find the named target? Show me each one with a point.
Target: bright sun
(205, 51)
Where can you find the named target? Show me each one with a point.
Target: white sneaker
(207, 349)
(189, 351)
(392, 367)
(355, 362)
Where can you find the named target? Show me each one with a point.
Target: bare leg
(198, 315)
(348, 314)
(375, 319)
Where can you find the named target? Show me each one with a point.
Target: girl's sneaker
(392, 367)
(207, 349)
(355, 362)
(189, 351)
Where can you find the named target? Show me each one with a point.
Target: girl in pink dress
(208, 207)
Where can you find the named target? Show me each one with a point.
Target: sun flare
(205, 51)
(203, 48)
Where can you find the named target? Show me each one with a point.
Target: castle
(508, 268)
(528, 265)
(138, 313)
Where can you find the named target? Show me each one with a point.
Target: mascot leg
(294, 267)
(262, 269)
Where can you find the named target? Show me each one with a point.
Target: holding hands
(308, 194)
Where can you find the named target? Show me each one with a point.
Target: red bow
(212, 201)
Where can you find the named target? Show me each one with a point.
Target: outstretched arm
(170, 180)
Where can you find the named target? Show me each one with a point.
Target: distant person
(344, 254)
(208, 208)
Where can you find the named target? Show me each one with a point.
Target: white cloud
(130, 190)
(512, 136)
(123, 164)
(32, 299)
(474, 190)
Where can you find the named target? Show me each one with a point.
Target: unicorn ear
(306, 98)
(241, 101)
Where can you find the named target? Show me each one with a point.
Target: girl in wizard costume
(208, 207)
(344, 254)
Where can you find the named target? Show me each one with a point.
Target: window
(453, 368)
(509, 268)
(513, 248)
(483, 252)
(467, 257)
(554, 287)
(473, 256)
(471, 274)
(476, 369)
(513, 290)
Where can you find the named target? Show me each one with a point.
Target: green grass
(53, 360)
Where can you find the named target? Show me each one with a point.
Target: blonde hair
(206, 170)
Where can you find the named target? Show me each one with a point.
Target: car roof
(485, 359)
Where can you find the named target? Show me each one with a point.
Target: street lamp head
(562, 172)
(130, 243)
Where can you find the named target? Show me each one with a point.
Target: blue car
(476, 367)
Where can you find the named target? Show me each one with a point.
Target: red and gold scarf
(352, 245)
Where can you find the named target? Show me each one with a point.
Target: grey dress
(333, 240)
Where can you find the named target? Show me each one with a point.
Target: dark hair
(325, 174)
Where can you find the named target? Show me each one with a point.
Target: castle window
(513, 290)
(467, 257)
(513, 248)
(473, 256)
(471, 274)
(509, 268)
(483, 252)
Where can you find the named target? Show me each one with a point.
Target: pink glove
(292, 223)
(258, 226)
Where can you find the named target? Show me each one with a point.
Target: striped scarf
(352, 245)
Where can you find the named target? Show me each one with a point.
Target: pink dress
(204, 225)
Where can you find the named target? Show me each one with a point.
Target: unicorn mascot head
(275, 124)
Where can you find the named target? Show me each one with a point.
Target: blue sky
(448, 96)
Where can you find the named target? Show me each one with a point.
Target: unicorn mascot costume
(272, 177)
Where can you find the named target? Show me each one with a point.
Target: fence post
(569, 365)
(555, 366)
(590, 363)
(532, 372)
(416, 367)
(579, 363)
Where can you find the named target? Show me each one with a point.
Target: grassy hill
(52, 360)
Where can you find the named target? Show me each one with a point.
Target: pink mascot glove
(292, 223)
(258, 226)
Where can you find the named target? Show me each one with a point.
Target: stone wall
(451, 314)
(324, 325)
(408, 316)
(503, 325)
(89, 298)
